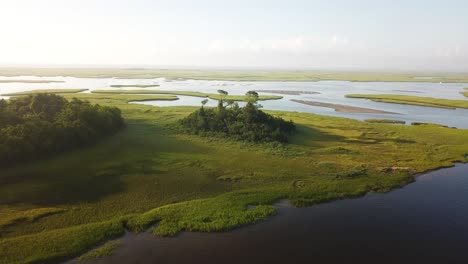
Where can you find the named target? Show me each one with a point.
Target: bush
(44, 124)
(248, 123)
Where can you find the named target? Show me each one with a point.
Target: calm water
(329, 92)
(424, 222)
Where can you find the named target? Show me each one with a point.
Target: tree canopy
(247, 123)
(44, 124)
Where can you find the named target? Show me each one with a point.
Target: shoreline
(344, 108)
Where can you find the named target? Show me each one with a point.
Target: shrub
(248, 123)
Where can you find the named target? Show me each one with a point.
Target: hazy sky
(387, 34)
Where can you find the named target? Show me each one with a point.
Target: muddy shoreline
(344, 108)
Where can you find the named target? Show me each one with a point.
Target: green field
(412, 100)
(188, 93)
(50, 91)
(241, 75)
(151, 176)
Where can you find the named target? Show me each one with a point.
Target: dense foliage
(247, 123)
(44, 124)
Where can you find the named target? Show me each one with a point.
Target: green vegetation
(229, 120)
(57, 245)
(14, 217)
(120, 98)
(105, 250)
(412, 100)
(46, 91)
(134, 85)
(240, 75)
(385, 121)
(465, 93)
(30, 81)
(187, 93)
(32, 127)
(150, 176)
(426, 124)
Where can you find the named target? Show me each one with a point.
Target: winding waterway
(424, 222)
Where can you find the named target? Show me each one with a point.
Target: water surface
(424, 222)
(327, 92)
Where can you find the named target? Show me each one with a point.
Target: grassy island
(187, 93)
(152, 176)
(134, 85)
(412, 100)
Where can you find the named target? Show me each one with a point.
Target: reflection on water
(424, 222)
(328, 92)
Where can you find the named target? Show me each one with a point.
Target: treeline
(247, 123)
(41, 125)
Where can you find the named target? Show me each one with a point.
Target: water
(424, 222)
(329, 92)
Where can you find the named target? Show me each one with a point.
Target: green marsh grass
(150, 176)
(134, 85)
(385, 121)
(239, 75)
(412, 100)
(105, 250)
(49, 91)
(187, 93)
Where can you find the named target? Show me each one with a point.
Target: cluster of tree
(41, 125)
(246, 123)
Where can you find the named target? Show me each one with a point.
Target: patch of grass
(57, 245)
(412, 100)
(43, 91)
(30, 81)
(426, 124)
(134, 85)
(385, 121)
(121, 98)
(187, 93)
(149, 176)
(105, 250)
(465, 93)
(11, 217)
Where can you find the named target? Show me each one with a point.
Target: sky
(293, 34)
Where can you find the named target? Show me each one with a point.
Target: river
(424, 222)
(329, 92)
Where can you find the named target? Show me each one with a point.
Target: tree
(252, 96)
(222, 94)
(204, 102)
(41, 125)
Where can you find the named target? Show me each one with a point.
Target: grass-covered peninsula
(134, 85)
(412, 100)
(153, 176)
(214, 96)
(45, 91)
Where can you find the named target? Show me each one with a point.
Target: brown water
(424, 222)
